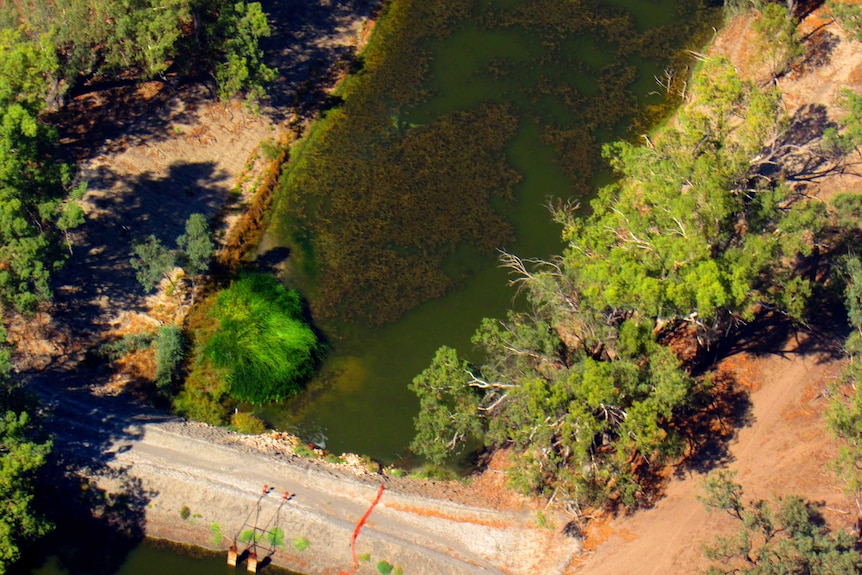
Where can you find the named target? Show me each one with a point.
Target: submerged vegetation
(411, 163)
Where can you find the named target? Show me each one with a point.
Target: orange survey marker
(359, 528)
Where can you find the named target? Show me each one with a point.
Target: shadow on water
(129, 210)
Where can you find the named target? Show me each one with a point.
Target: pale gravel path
(219, 475)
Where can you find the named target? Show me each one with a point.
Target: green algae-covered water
(466, 120)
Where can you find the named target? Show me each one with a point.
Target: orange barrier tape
(358, 529)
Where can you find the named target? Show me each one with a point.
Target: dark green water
(572, 88)
(148, 558)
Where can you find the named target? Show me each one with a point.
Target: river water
(570, 88)
(148, 558)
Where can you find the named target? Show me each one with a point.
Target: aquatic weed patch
(415, 160)
(251, 344)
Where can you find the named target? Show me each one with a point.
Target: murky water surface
(573, 79)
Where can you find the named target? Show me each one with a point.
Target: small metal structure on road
(258, 535)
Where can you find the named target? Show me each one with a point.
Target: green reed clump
(262, 342)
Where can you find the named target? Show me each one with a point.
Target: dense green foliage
(844, 415)
(788, 536)
(195, 246)
(153, 261)
(21, 456)
(398, 178)
(262, 342)
(169, 355)
(778, 38)
(37, 202)
(692, 235)
(240, 26)
(144, 39)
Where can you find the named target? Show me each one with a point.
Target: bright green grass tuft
(262, 342)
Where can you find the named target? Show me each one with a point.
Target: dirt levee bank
(162, 464)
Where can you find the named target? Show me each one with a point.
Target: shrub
(247, 423)
(384, 567)
(849, 17)
(431, 471)
(185, 512)
(275, 537)
(394, 472)
(216, 530)
(262, 342)
(302, 450)
(169, 354)
(300, 543)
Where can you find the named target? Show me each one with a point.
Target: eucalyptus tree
(196, 245)
(784, 536)
(693, 234)
(95, 39)
(37, 195)
(22, 454)
(844, 416)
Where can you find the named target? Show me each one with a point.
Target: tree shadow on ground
(127, 211)
(126, 114)
(823, 336)
(310, 49)
(820, 46)
(98, 509)
(718, 411)
(710, 423)
(796, 154)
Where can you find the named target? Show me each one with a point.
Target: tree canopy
(21, 456)
(37, 193)
(785, 536)
(145, 39)
(695, 233)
